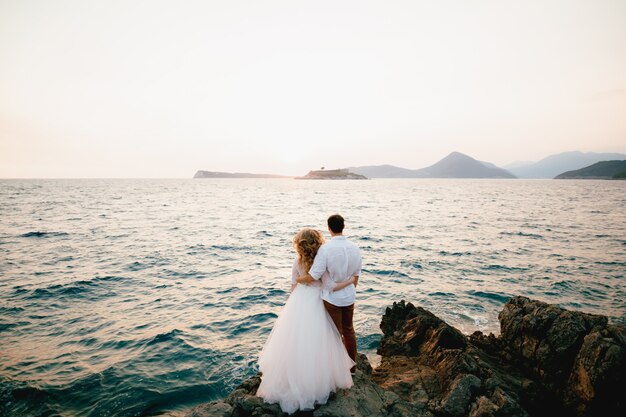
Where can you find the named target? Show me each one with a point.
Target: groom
(342, 260)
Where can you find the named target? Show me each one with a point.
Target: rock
(506, 404)
(596, 385)
(462, 391)
(547, 361)
(544, 340)
(427, 362)
(408, 329)
(217, 409)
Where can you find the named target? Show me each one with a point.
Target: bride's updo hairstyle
(307, 242)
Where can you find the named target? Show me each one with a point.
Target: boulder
(597, 382)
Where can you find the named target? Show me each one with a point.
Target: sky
(160, 89)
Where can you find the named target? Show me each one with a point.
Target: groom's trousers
(342, 317)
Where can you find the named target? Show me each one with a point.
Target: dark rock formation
(441, 368)
(547, 361)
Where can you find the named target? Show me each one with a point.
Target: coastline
(547, 361)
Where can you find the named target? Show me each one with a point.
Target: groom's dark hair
(335, 223)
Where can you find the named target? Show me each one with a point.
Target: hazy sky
(163, 88)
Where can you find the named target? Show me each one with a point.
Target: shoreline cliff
(547, 361)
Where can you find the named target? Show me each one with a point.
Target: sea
(137, 297)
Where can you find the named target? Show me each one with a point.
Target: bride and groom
(311, 350)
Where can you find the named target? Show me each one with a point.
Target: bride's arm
(353, 280)
(294, 274)
(305, 279)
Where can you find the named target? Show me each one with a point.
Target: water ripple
(141, 297)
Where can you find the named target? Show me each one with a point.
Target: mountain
(455, 165)
(488, 164)
(553, 165)
(332, 174)
(599, 170)
(213, 174)
(458, 165)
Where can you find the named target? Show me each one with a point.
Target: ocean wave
(496, 267)
(442, 294)
(249, 250)
(618, 263)
(165, 337)
(39, 234)
(255, 298)
(530, 235)
(255, 295)
(409, 264)
(386, 272)
(125, 344)
(561, 285)
(7, 326)
(137, 266)
(492, 296)
(18, 398)
(57, 291)
(10, 310)
(369, 239)
(236, 327)
(446, 253)
(197, 274)
(369, 341)
(91, 288)
(150, 394)
(468, 316)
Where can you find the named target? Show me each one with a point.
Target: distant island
(214, 174)
(455, 165)
(458, 165)
(599, 170)
(332, 174)
(553, 165)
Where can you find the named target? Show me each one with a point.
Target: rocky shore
(547, 361)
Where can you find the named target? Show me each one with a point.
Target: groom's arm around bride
(337, 261)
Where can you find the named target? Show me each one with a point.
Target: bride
(303, 359)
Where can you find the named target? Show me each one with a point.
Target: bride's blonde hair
(307, 242)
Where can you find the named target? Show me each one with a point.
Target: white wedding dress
(303, 359)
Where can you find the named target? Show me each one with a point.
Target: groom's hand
(356, 280)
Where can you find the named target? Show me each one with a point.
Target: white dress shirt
(341, 259)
